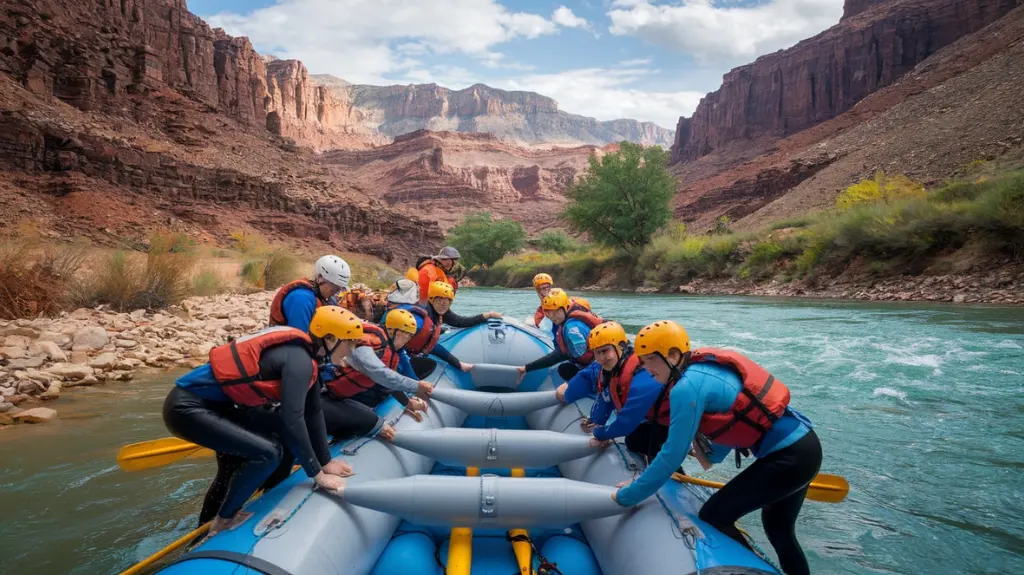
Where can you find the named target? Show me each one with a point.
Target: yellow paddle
(147, 454)
(825, 487)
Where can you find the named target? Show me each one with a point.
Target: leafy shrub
(207, 283)
(881, 189)
(558, 242)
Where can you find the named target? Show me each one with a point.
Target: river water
(919, 407)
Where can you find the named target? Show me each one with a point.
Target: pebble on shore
(44, 357)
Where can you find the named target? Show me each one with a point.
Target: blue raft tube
(497, 468)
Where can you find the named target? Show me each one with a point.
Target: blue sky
(643, 59)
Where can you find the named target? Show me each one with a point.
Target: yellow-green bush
(207, 283)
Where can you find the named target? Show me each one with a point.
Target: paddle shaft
(817, 491)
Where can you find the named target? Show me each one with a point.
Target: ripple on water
(889, 392)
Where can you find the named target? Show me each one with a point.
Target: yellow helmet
(557, 299)
(412, 274)
(541, 279)
(609, 332)
(402, 320)
(440, 289)
(661, 337)
(336, 321)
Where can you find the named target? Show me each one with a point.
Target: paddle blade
(825, 488)
(148, 454)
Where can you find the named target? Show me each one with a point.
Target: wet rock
(70, 371)
(53, 392)
(84, 382)
(35, 415)
(5, 407)
(30, 387)
(127, 363)
(18, 398)
(104, 361)
(50, 349)
(89, 338)
(118, 375)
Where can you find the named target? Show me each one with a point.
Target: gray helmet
(448, 253)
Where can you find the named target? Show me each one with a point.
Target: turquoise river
(920, 407)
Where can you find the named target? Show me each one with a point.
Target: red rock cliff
(822, 77)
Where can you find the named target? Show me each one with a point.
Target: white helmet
(334, 270)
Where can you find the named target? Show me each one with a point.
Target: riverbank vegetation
(879, 227)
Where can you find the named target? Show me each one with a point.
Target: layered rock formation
(123, 116)
(523, 117)
(958, 106)
(442, 175)
(819, 78)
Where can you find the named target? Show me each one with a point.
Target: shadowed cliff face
(168, 121)
(791, 90)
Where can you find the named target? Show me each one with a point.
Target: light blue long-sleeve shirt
(575, 333)
(643, 392)
(704, 388)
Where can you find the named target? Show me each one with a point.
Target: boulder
(61, 339)
(17, 341)
(39, 376)
(79, 357)
(52, 393)
(50, 349)
(104, 361)
(200, 351)
(35, 415)
(70, 371)
(138, 314)
(127, 363)
(30, 387)
(19, 330)
(125, 343)
(80, 313)
(89, 338)
(5, 407)
(243, 322)
(13, 353)
(17, 398)
(118, 375)
(85, 381)
(7, 391)
(26, 363)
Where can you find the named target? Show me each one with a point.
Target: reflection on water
(918, 406)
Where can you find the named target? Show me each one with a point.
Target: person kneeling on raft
(739, 406)
(570, 324)
(542, 284)
(274, 366)
(428, 328)
(376, 368)
(620, 384)
(295, 302)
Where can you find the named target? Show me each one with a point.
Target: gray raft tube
(312, 532)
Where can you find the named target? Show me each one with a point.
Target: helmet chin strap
(675, 371)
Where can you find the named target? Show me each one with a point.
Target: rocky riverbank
(41, 359)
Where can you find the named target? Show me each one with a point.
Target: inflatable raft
(497, 477)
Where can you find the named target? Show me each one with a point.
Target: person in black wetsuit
(255, 389)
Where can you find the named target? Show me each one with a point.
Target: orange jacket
(431, 272)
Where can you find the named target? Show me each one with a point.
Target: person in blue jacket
(295, 302)
(570, 325)
(621, 385)
(747, 413)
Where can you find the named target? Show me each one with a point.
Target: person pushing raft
(737, 405)
(571, 325)
(220, 406)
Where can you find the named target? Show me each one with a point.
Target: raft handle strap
(545, 567)
(255, 563)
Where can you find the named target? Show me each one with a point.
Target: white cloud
(635, 62)
(564, 16)
(360, 40)
(710, 31)
(609, 94)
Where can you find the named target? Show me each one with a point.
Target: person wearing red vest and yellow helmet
(736, 405)
(542, 284)
(218, 406)
(437, 269)
(621, 385)
(429, 319)
(377, 368)
(571, 325)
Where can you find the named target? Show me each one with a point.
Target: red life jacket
(236, 365)
(276, 306)
(424, 340)
(351, 381)
(580, 313)
(760, 403)
(619, 380)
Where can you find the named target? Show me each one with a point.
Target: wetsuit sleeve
(583, 383)
(317, 426)
(400, 397)
(553, 358)
(643, 392)
(367, 363)
(576, 334)
(296, 369)
(455, 320)
(405, 366)
(686, 411)
(299, 307)
(443, 353)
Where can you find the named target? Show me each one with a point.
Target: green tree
(624, 197)
(558, 242)
(482, 240)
